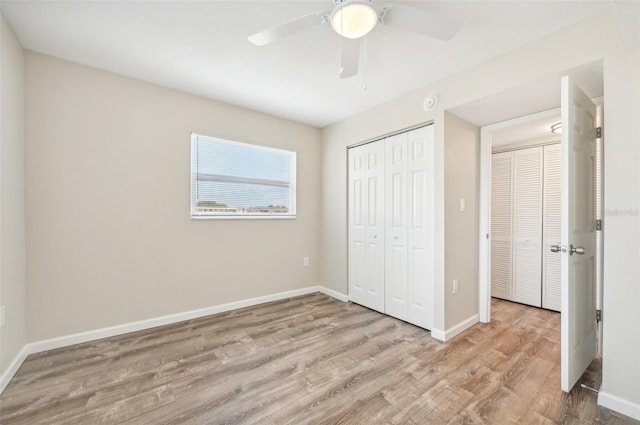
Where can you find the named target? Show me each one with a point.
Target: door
(551, 217)
(527, 226)
(420, 239)
(396, 197)
(578, 233)
(501, 224)
(366, 226)
(408, 266)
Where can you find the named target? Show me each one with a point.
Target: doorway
(525, 210)
(516, 106)
(534, 125)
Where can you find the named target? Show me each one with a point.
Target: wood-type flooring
(309, 360)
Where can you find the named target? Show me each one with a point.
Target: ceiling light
(556, 128)
(354, 18)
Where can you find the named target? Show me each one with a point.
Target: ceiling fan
(353, 19)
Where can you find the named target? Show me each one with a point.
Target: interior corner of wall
(438, 334)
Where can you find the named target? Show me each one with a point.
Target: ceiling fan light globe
(354, 18)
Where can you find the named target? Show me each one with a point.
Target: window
(231, 179)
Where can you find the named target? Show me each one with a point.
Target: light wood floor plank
(309, 360)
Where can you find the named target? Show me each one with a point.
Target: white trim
(439, 334)
(455, 330)
(618, 404)
(13, 367)
(82, 337)
(484, 241)
(335, 294)
(79, 338)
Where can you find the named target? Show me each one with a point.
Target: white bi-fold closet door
(366, 225)
(391, 225)
(526, 219)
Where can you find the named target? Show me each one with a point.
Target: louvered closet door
(366, 225)
(551, 227)
(527, 226)
(501, 224)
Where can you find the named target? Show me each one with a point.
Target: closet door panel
(366, 225)
(357, 209)
(374, 231)
(396, 194)
(527, 226)
(501, 225)
(391, 225)
(551, 227)
(420, 225)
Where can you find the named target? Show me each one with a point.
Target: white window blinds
(231, 179)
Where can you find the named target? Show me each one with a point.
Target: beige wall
(109, 238)
(12, 226)
(461, 173)
(583, 43)
(621, 251)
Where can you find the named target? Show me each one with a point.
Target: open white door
(578, 249)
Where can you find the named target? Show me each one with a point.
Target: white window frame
(291, 214)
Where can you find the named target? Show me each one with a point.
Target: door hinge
(599, 224)
(598, 132)
(598, 316)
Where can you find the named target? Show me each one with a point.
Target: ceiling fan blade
(421, 21)
(350, 57)
(290, 27)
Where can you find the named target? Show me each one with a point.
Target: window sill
(243, 217)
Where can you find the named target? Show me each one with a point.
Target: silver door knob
(576, 250)
(555, 248)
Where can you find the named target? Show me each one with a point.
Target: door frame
(484, 202)
(484, 238)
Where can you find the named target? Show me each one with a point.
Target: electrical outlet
(1, 316)
(305, 261)
(456, 286)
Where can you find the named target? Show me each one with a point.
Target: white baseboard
(438, 334)
(618, 404)
(455, 330)
(335, 294)
(81, 337)
(13, 367)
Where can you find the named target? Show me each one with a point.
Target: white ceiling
(533, 130)
(201, 47)
(533, 97)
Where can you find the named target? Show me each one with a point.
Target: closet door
(527, 226)
(366, 225)
(501, 224)
(420, 238)
(396, 226)
(551, 227)
(408, 232)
